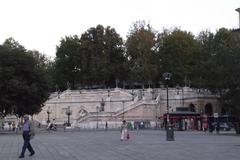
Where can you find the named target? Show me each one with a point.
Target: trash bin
(170, 133)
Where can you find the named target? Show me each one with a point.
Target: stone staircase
(136, 103)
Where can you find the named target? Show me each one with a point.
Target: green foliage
(103, 49)
(68, 62)
(177, 50)
(140, 47)
(219, 67)
(11, 44)
(24, 87)
(97, 58)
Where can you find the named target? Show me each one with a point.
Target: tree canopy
(24, 87)
(96, 58)
(99, 57)
(140, 49)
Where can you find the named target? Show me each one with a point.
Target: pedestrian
(9, 126)
(205, 126)
(124, 131)
(106, 126)
(13, 126)
(28, 133)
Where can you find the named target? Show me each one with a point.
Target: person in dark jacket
(28, 133)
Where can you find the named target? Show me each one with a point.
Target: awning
(183, 115)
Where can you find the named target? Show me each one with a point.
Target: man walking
(28, 133)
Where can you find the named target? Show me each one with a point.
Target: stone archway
(209, 109)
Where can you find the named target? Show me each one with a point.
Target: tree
(103, 54)
(140, 46)
(177, 50)
(220, 63)
(205, 41)
(96, 58)
(24, 87)
(68, 62)
(215, 61)
(46, 65)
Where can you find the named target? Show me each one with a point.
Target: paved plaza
(106, 145)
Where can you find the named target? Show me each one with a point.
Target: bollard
(170, 133)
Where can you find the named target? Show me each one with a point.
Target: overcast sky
(40, 24)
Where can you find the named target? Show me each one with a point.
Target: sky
(40, 24)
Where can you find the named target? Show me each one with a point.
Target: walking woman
(124, 131)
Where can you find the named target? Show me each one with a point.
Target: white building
(91, 108)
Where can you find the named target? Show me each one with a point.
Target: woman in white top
(124, 131)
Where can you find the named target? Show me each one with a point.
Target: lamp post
(68, 113)
(48, 113)
(170, 133)
(97, 109)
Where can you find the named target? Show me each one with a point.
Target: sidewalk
(106, 145)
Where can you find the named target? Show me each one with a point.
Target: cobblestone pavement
(106, 145)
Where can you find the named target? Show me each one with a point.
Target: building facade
(108, 107)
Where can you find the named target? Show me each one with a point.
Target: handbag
(128, 136)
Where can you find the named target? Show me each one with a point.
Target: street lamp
(97, 108)
(68, 113)
(170, 133)
(48, 113)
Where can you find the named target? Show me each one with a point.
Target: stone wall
(118, 104)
